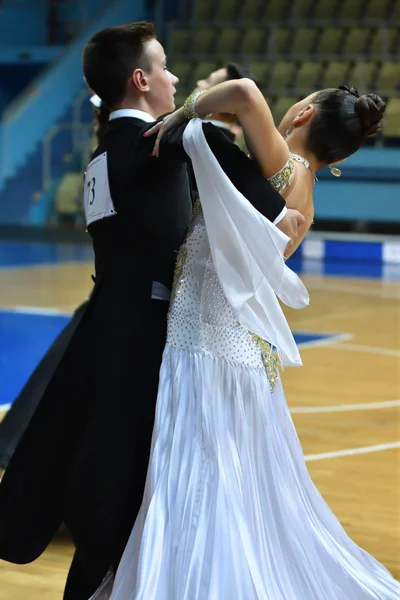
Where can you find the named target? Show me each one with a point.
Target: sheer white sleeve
(247, 251)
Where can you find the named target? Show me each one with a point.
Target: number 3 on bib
(90, 186)
(97, 197)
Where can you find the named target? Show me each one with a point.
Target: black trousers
(17, 418)
(89, 566)
(83, 457)
(78, 586)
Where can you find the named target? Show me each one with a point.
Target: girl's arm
(243, 98)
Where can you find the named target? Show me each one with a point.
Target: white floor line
(299, 410)
(334, 339)
(36, 310)
(368, 349)
(351, 237)
(352, 451)
(354, 289)
(314, 409)
(324, 455)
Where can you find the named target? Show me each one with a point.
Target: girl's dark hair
(111, 56)
(343, 121)
(235, 71)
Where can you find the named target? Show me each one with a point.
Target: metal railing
(81, 133)
(83, 96)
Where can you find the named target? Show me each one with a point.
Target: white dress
(229, 510)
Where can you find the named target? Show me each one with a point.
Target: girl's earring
(288, 131)
(336, 172)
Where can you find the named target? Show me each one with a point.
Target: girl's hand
(169, 122)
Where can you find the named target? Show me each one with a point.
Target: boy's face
(162, 83)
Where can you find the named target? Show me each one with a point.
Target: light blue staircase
(45, 103)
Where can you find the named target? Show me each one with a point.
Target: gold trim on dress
(178, 273)
(282, 179)
(270, 359)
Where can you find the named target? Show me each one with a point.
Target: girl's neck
(297, 148)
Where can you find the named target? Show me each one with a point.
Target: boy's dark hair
(111, 56)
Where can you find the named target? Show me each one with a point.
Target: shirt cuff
(280, 216)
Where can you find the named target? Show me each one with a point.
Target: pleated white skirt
(229, 510)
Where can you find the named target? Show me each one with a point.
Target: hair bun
(370, 109)
(352, 90)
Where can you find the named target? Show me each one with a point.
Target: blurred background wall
(294, 47)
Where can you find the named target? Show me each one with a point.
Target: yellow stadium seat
(304, 41)
(250, 11)
(228, 41)
(281, 106)
(351, 9)
(391, 122)
(181, 69)
(203, 40)
(384, 41)
(362, 75)
(254, 42)
(308, 76)
(377, 10)
(282, 75)
(335, 74)
(260, 70)
(356, 41)
(227, 10)
(395, 12)
(203, 10)
(303, 10)
(330, 40)
(388, 79)
(279, 40)
(68, 196)
(202, 70)
(180, 41)
(325, 9)
(274, 10)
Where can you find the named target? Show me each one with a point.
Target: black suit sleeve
(241, 170)
(244, 174)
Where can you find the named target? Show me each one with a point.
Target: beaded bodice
(283, 178)
(200, 317)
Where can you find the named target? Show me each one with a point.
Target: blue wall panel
(28, 119)
(23, 22)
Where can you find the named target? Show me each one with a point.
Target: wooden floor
(345, 402)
